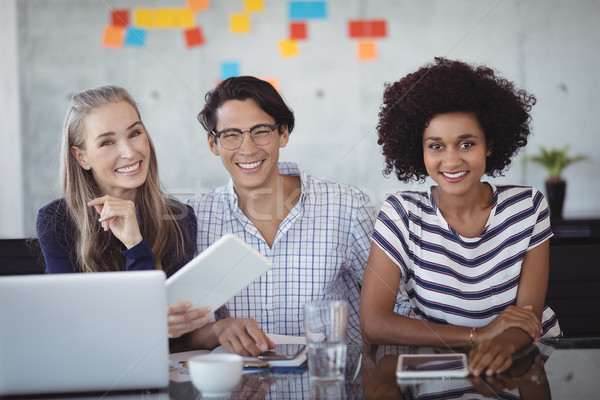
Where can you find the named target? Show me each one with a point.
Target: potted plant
(555, 161)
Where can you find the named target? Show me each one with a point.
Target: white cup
(215, 375)
(325, 324)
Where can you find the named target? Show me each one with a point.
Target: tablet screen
(432, 365)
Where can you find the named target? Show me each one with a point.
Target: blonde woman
(114, 215)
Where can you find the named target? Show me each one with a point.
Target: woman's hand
(512, 317)
(490, 357)
(182, 319)
(118, 215)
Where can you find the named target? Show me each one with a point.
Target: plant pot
(555, 193)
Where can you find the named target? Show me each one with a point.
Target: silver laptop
(88, 332)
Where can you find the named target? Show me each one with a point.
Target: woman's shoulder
(52, 213)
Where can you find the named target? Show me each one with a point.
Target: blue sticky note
(135, 37)
(229, 70)
(303, 10)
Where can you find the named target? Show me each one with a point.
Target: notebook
(88, 332)
(217, 274)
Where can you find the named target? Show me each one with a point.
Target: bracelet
(471, 342)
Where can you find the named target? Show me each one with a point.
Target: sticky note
(378, 28)
(144, 18)
(194, 37)
(289, 48)
(229, 69)
(119, 17)
(166, 18)
(198, 5)
(113, 36)
(298, 30)
(184, 18)
(303, 10)
(273, 81)
(239, 23)
(356, 29)
(254, 5)
(135, 37)
(367, 50)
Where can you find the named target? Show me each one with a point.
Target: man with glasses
(315, 232)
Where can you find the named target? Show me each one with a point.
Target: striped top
(457, 280)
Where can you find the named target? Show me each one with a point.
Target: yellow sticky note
(198, 5)
(114, 36)
(289, 48)
(239, 23)
(166, 18)
(254, 5)
(144, 18)
(367, 50)
(184, 18)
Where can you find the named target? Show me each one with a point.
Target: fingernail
(264, 347)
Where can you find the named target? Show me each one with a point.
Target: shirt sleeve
(54, 241)
(542, 230)
(391, 232)
(139, 257)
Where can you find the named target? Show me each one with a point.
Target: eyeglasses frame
(273, 127)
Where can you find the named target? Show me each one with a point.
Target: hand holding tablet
(217, 274)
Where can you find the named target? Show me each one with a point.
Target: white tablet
(217, 274)
(432, 366)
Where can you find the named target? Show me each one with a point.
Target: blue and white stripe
(458, 280)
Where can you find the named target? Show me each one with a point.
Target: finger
(180, 307)
(499, 364)
(260, 339)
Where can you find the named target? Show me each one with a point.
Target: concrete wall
(11, 166)
(549, 47)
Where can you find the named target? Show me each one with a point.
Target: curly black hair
(449, 86)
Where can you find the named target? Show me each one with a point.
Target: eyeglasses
(233, 138)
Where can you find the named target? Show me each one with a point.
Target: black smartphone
(286, 351)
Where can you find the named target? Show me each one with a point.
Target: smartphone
(287, 351)
(432, 366)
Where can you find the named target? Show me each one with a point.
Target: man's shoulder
(215, 195)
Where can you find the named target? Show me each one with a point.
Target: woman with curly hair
(114, 215)
(472, 255)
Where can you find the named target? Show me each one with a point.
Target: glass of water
(325, 324)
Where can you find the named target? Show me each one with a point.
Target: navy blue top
(55, 235)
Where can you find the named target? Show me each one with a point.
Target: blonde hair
(158, 213)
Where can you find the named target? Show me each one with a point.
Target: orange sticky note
(289, 48)
(367, 50)
(198, 5)
(239, 23)
(378, 28)
(194, 37)
(114, 36)
(356, 29)
(254, 5)
(273, 81)
(144, 18)
(298, 30)
(119, 17)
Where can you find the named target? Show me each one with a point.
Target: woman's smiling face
(117, 149)
(455, 151)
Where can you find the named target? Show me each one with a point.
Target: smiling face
(116, 150)
(455, 151)
(251, 167)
